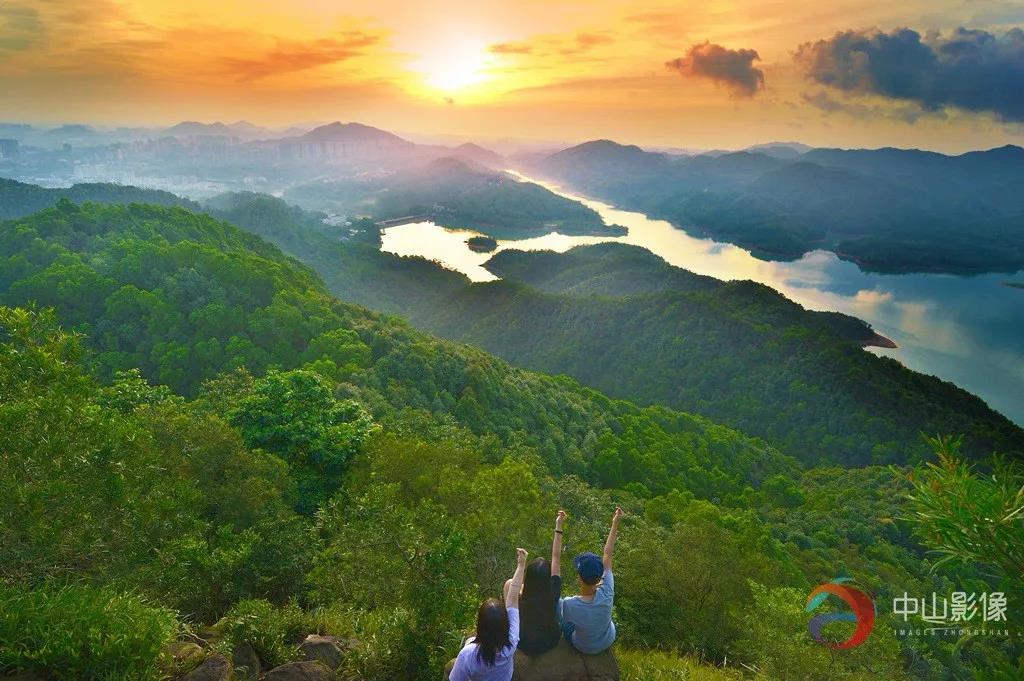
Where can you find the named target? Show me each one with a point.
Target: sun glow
(455, 68)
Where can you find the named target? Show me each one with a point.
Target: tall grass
(82, 632)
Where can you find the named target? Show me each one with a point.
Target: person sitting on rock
(538, 605)
(488, 656)
(587, 618)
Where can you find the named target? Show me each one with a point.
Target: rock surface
(184, 657)
(562, 663)
(246, 661)
(326, 649)
(214, 668)
(300, 671)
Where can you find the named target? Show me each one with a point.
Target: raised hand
(618, 514)
(560, 519)
(521, 555)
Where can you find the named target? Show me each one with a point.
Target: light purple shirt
(469, 666)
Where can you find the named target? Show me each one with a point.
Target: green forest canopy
(148, 475)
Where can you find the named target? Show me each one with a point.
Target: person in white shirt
(488, 656)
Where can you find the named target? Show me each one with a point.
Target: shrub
(82, 632)
(386, 637)
(653, 665)
(272, 632)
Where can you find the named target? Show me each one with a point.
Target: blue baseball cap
(589, 567)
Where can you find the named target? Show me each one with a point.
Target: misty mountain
(15, 130)
(72, 130)
(18, 199)
(780, 149)
(189, 128)
(477, 154)
(886, 209)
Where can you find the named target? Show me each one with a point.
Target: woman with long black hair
(488, 655)
(538, 606)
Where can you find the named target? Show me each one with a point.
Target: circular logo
(862, 612)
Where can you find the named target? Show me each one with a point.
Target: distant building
(8, 148)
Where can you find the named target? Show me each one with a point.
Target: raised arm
(613, 534)
(556, 544)
(515, 585)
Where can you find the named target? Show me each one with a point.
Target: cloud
(20, 27)
(969, 69)
(592, 39)
(732, 68)
(872, 296)
(299, 56)
(510, 48)
(908, 113)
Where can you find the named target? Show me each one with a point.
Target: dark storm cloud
(970, 69)
(908, 113)
(732, 68)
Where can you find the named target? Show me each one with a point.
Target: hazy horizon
(937, 75)
(421, 137)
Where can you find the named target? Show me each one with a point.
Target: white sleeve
(459, 671)
(513, 627)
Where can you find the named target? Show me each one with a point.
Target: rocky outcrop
(246, 661)
(326, 649)
(216, 667)
(300, 671)
(183, 656)
(562, 663)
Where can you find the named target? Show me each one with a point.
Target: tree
(294, 415)
(967, 516)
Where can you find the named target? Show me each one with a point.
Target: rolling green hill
(19, 198)
(228, 445)
(888, 210)
(621, 320)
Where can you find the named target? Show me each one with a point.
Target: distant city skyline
(939, 74)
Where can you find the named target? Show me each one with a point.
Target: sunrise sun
(455, 68)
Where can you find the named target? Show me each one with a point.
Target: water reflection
(969, 330)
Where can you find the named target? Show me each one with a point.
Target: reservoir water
(968, 330)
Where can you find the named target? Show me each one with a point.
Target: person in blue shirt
(587, 618)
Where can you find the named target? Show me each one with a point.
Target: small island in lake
(481, 244)
(1014, 284)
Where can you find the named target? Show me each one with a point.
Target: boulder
(214, 668)
(246, 661)
(300, 671)
(181, 657)
(563, 663)
(327, 649)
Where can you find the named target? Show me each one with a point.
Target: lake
(968, 330)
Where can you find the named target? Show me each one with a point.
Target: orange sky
(531, 69)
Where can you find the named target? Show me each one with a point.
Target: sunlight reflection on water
(969, 330)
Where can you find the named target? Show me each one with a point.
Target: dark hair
(491, 630)
(537, 582)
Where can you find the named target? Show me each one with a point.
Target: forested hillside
(284, 462)
(737, 352)
(889, 210)
(457, 193)
(19, 198)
